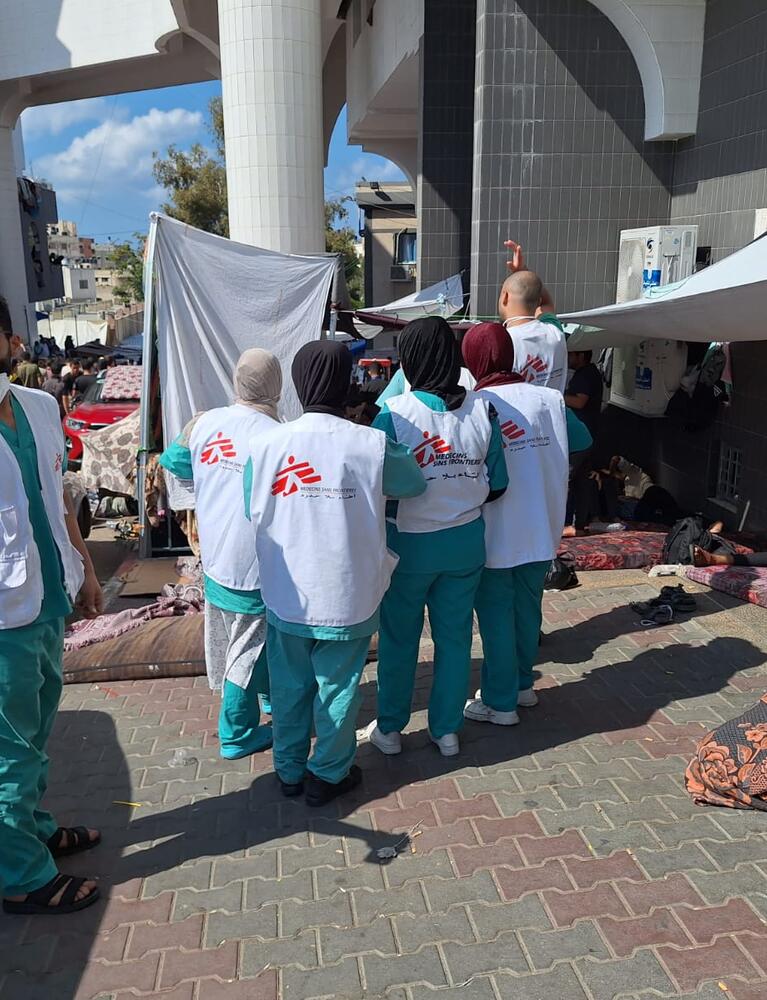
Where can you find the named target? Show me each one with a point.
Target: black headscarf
(322, 371)
(431, 359)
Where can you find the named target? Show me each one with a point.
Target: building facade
(556, 122)
(390, 235)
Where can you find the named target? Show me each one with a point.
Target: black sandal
(77, 841)
(38, 902)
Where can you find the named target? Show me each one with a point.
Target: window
(728, 476)
(405, 247)
(83, 284)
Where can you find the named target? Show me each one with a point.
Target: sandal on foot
(77, 841)
(38, 902)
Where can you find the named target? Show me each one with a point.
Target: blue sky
(97, 154)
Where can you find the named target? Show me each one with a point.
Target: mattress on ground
(164, 647)
(634, 549)
(749, 583)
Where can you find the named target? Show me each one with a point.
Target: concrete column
(271, 73)
(13, 276)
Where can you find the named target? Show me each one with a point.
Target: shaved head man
(520, 295)
(527, 311)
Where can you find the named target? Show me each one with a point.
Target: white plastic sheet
(443, 299)
(214, 299)
(725, 302)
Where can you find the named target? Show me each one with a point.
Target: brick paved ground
(560, 860)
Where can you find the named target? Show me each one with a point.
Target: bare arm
(517, 263)
(577, 401)
(90, 600)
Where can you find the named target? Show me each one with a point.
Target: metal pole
(145, 430)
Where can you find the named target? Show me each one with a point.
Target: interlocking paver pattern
(561, 859)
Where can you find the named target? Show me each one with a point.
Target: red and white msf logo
(217, 448)
(293, 476)
(533, 368)
(511, 432)
(427, 451)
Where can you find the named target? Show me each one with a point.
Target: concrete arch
(666, 40)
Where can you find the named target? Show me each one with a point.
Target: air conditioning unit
(647, 375)
(403, 272)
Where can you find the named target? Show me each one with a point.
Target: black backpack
(686, 533)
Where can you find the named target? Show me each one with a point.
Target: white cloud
(117, 154)
(53, 119)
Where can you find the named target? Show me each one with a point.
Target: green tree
(341, 238)
(195, 182)
(128, 260)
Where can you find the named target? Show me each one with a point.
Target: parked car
(91, 414)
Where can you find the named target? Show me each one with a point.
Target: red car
(91, 414)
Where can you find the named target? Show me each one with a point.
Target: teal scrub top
(177, 458)
(578, 435)
(452, 549)
(56, 603)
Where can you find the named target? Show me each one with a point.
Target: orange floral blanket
(730, 766)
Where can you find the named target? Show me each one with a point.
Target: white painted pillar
(13, 276)
(271, 74)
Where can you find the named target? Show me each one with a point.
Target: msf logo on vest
(511, 433)
(534, 368)
(295, 475)
(428, 451)
(217, 448)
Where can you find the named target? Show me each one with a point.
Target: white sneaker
(527, 698)
(478, 711)
(388, 743)
(447, 745)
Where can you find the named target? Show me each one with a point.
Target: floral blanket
(749, 583)
(633, 549)
(730, 767)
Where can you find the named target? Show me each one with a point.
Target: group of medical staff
(314, 535)
(319, 532)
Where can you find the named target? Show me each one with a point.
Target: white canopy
(443, 299)
(725, 302)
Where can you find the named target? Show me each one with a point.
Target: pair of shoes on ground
(478, 711)
(391, 743)
(320, 792)
(661, 609)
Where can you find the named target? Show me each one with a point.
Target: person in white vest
(44, 569)
(318, 490)
(527, 311)
(213, 452)
(523, 529)
(439, 536)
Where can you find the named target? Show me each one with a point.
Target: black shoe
(291, 791)
(319, 792)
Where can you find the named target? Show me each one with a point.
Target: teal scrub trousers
(240, 732)
(314, 681)
(508, 605)
(449, 596)
(30, 689)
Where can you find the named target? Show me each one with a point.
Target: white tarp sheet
(214, 299)
(81, 329)
(724, 302)
(443, 299)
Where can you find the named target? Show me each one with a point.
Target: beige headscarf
(258, 381)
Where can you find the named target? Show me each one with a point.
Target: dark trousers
(581, 497)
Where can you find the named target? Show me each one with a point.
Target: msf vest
(451, 449)
(319, 510)
(21, 580)
(220, 445)
(525, 524)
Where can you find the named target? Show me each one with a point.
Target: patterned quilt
(749, 583)
(633, 549)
